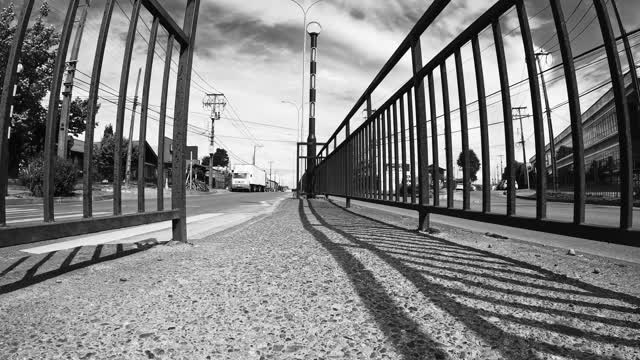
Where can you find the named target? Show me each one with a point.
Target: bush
(64, 178)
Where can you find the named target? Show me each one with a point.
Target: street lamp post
(304, 49)
(313, 29)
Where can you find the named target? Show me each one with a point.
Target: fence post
(6, 100)
(51, 135)
(349, 156)
(181, 116)
(421, 123)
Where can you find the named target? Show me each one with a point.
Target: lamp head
(314, 28)
(19, 68)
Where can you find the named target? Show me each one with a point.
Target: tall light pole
(304, 49)
(313, 29)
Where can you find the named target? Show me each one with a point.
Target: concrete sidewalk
(313, 280)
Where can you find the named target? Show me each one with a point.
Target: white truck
(248, 178)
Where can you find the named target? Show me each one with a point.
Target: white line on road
(111, 236)
(57, 217)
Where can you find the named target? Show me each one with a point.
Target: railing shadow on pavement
(380, 305)
(516, 307)
(31, 275)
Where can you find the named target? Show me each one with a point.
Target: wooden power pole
(63, 127)
(127, 181)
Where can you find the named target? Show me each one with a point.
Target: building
(150, 163)
(601, 148)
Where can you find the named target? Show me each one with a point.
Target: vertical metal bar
(371, 133)
(396, 157)
(434, 139)
(369, 147)
(484, 125)
(348, 158)
(358, 168)
(367, 159)
(389, 153)
(298, 182)
(383, 150)
(94, 87)
(464, 129)
(162, 122)
(362, 163)
(447, 132)
(372, 151)
(181, 118)
(146, 88)
(52, 112)
(573, 97)
(624, 126)
(403, 147)
(507, 115)
(122, 102)
(541, 168)
(379, 142)
(6, 101)
(412, 150)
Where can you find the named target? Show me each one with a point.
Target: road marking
(57, 217)
(113, 236)
(11, 211)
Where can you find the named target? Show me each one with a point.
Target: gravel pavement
(315, 281)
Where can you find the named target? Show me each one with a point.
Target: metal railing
(358, 168)
(185, 37)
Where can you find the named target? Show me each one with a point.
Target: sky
(252, 52)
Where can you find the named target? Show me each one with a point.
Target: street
(227, 209)
(196, 204)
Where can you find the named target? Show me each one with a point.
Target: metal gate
(185, 37)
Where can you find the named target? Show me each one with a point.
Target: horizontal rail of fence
(184, 37)
(397, 131)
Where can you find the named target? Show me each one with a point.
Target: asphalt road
(196, 204)
(594, 214)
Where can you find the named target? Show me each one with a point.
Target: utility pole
(270, 163)
(501, 170)
(63, 127)
(130, 147)
(254, 153)
(524, 151)
(215, 103)
(552, 145)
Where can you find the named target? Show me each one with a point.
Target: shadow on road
(29, 270)
(519, 309)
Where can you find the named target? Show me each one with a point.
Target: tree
(474, 164)
(38, 55)
(78, 114)
(220, 158)
(104, 155)
(37, 58)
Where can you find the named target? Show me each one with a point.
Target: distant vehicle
(248, 178)
(459, 186)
